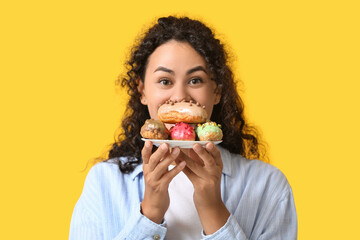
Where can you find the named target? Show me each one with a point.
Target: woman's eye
(165, 82)
(195, 81)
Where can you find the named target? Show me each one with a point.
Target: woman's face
(175, 71)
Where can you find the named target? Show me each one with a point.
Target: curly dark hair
(238, 138)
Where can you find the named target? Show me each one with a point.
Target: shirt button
(156, 237)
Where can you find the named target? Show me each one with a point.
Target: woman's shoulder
(102, 169)
(104, 177)
(108, 171)
(255, 172)
(235, 162)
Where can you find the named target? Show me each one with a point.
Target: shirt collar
(225, 156)
(138, 169)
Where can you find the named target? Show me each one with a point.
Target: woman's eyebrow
(165, 70)
(195, 69)
(198, 68)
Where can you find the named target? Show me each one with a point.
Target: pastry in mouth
(187, 112)
(154, 129)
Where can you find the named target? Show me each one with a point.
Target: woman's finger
(204, 155)
(163, 166)
(156, 157)
(193, 165)
(190, 174)
(173, 172)
(146, 152)
(215, 153)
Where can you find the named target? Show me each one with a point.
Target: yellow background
(298, 60)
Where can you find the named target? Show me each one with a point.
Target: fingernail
(210, 146)
(197, 147)
(175, 151)
(147, 144)
(164, 146)
(182, 164)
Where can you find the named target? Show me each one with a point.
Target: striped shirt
(257, 195)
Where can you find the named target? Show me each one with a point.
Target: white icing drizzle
(183, 107)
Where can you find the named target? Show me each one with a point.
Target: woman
(211, 192)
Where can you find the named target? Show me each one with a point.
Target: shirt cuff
(231, 230)
(144, 228)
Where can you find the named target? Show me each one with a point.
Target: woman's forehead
(173, 54)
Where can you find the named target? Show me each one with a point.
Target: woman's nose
(180, 94)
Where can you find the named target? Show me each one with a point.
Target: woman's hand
(204, 169)
(157, 178)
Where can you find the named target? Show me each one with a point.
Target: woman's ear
(140, 87)
(218, 92)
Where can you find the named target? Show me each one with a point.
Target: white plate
(180, 144)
